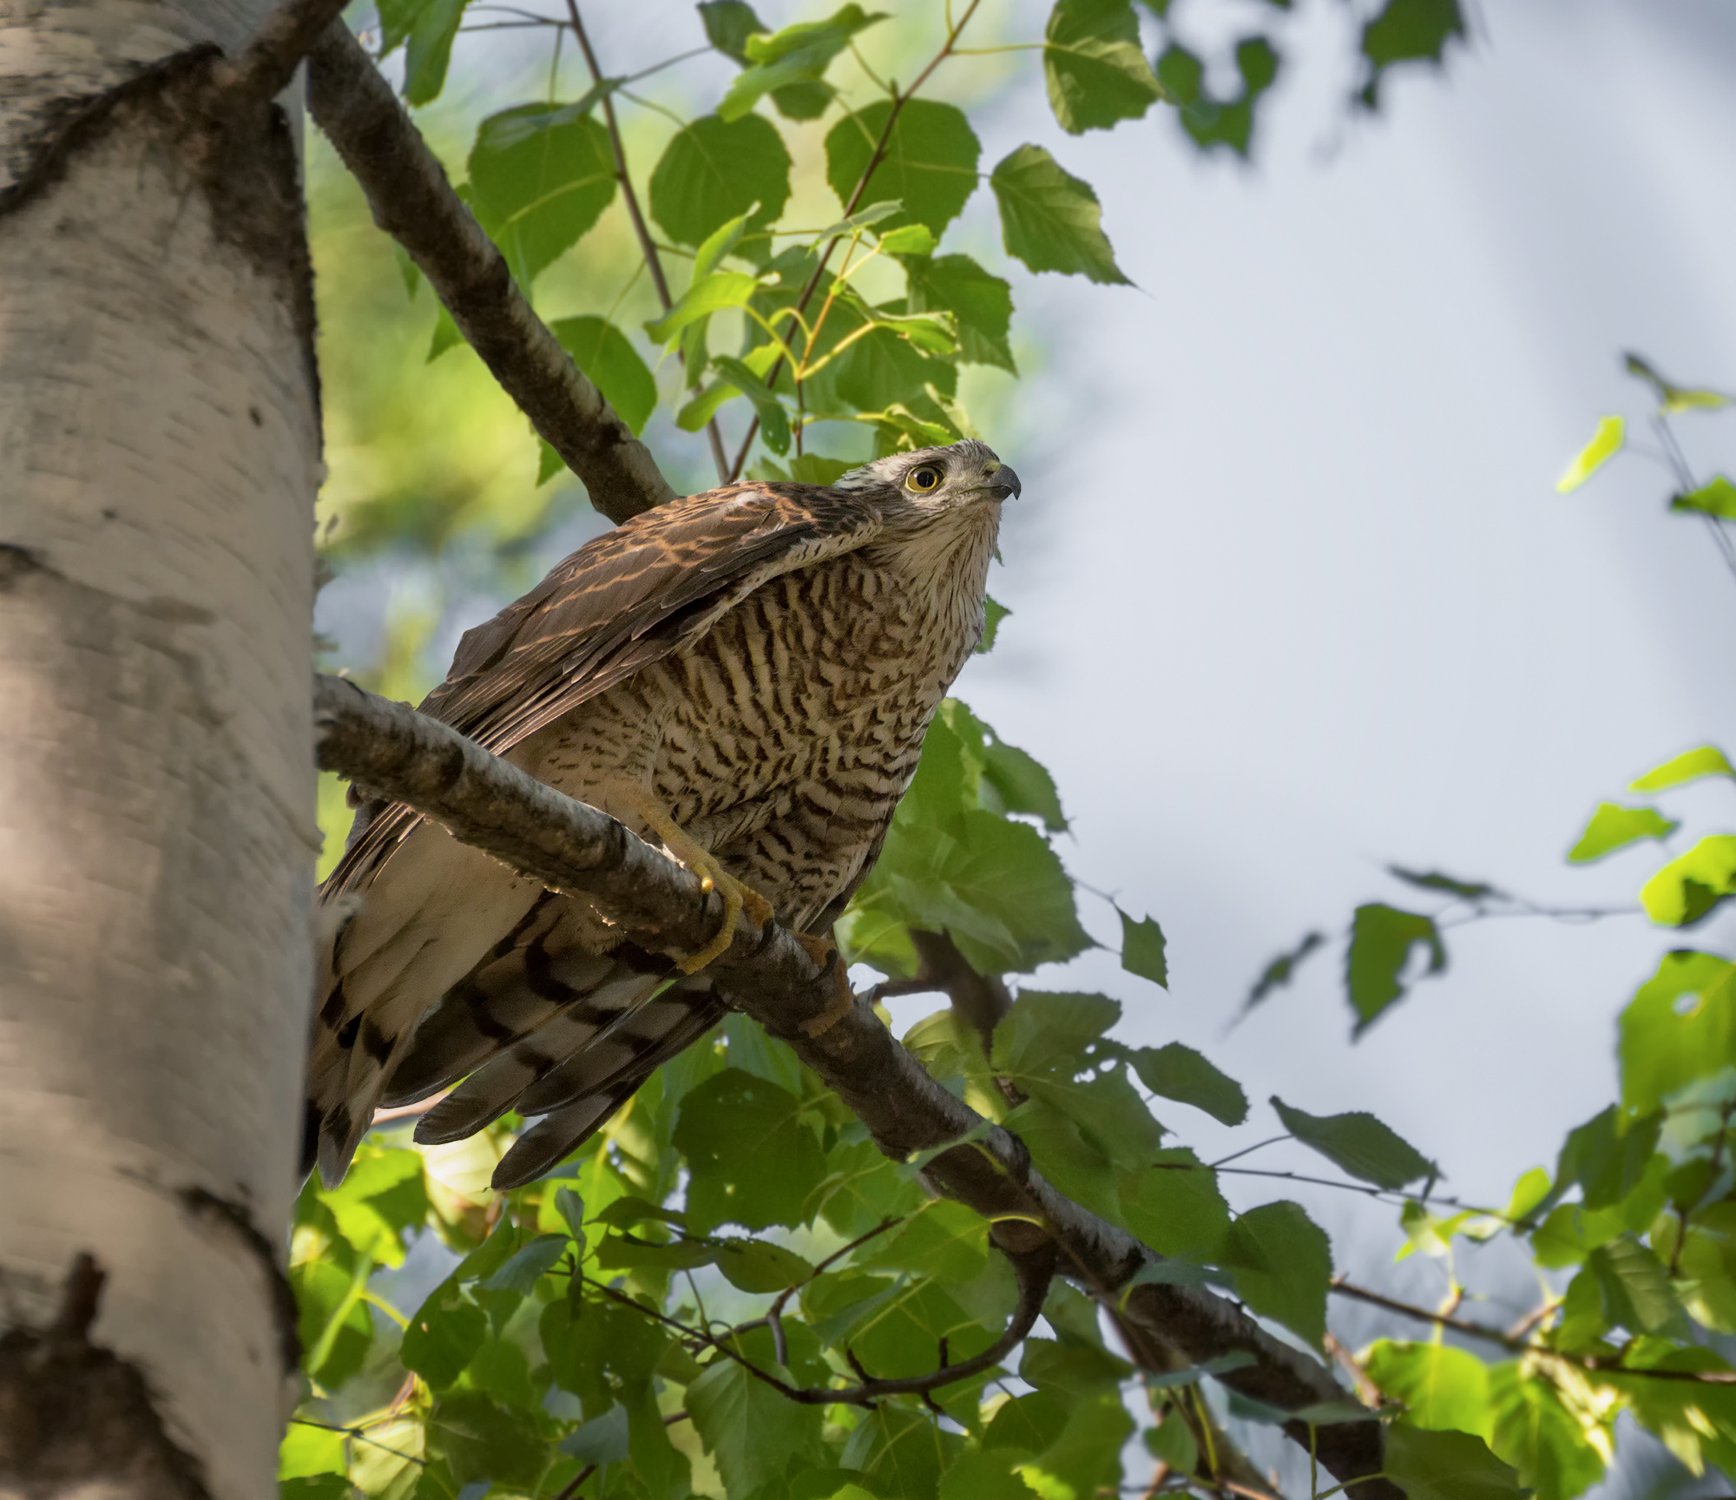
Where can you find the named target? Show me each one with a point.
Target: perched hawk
(743, 676)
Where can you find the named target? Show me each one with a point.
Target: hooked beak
(1004, 483)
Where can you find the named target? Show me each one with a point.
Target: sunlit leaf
(1689, 886)
(1675, 398)
(1679, 1027)
(715, 293)
(1051, 220)
(796, 55)
(1614, 827)
(1536, 1432)
(1605, 443)
(1690, 765)
(540, 178)
(1441, 1387)
(1717, 497)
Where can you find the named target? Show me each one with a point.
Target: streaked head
(932, 480)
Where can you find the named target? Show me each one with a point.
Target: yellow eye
(923, 480)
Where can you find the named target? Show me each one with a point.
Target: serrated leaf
(1678, 770)
(1535, 1431)
(1636, 1289)
(729, 1126)
(612, 364)
(540, 178)
(1605, 443)
(1381, 942)
(1142, 949)
(1688, 887)
(1180, 1073)
(1282, 1262)
(714, 170)
(1359, 1143)
(1051, 220)
(1716, 497)
(929, 165)
(1679, 1027)
(1447, 1466)
(1021, 784)
(1175, 1206)
(1097, 73)
(1614, 827)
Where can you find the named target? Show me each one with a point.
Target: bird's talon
(823, 951)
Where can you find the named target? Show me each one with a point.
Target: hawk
(743, 676)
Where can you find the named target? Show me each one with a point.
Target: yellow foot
(825, 953)
(737, 898)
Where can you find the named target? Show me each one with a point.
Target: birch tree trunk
(158, 461)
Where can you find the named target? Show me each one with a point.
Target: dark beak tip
(1006, 485)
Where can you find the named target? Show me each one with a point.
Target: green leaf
(333, 1322)
(981, 303)
(1441, 1387)
(760, 1266)
(1689, 886)
(381, 1198)
(1174, 1205)
(730, 1126)
(444, 1335)
(1180, 1073)
(1382, 939)
(929, 165)
(715, 293)
(428, 26)
(612, 364)
(1614, 827)
(1535, 1432)
(1227, 122)
(1447, 885)
(1690, 765)
(1679, 1027)
(774, 421)
(1142, 949)
(529, 1265)
(1282, 969)
(1096, 71)
(1607, 1157)
(1282, 1262)
(1446, 1466)
(993, 613)
(540, 178)
(1062, 1155)
(482, 1441)
(728, 24)
(1675, 398)
(1360, 1144)
(783, 62)
(901, 1450)
(751, 1431)
(907, 239)
(1406, 31)
(716, 169)
(1705, 1263)
(602, 1440)
(1021, 784)
(1051, 220)
(1635, 1289)
(1717, 497)
(1605, 443)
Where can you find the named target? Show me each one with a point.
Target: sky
(1293, 595)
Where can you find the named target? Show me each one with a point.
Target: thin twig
(875, 157)
(630, 198)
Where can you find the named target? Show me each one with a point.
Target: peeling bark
(158, 460)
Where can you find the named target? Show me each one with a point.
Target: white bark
(158, 460)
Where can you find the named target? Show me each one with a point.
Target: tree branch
(268, 62)
(391, 750)
(413, 201)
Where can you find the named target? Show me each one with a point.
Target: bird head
(935, 480)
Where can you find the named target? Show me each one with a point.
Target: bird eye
(923, 480)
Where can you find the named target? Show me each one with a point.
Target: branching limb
(269, 61)
(413, 201)
(391, 750)
(1034, 1270)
